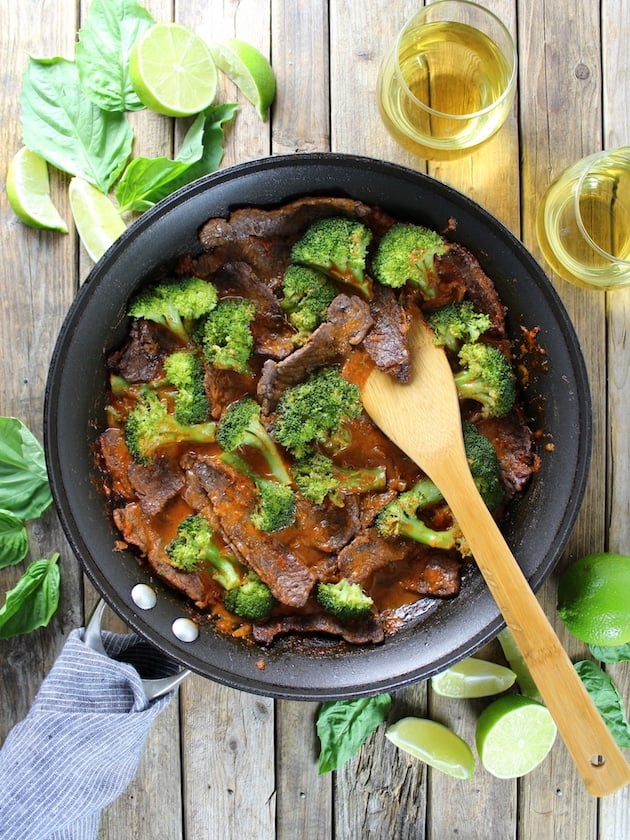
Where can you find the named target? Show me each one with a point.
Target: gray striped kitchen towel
(79, 746)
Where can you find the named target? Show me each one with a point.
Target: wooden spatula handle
(597, 757)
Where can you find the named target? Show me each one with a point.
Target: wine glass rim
(590, 162)
(509, 88)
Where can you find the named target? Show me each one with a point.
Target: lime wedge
(28, 191)
(514, 734)
(250, 71)
(97, 220)
(473, 678)
(525, 681)
(172, 71)
(435, 744)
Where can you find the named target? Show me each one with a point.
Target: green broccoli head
(276, 508)
(149, 426)
(337, 246)
(251, 600)
(240, 425)
(345, 600)
(484, 466)
(194, 548)
(457, 323)
(225, 334)
(185, 371)
(177, 304)
(307, 294)
(406, 254)
(315, 409)
(317, 477)
(487, 378)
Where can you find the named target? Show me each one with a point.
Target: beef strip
(369, 551)
(386, 343)
(233, 499)
(116, 460)
(348, 320)
(368, 631)
(263, 238)
(156, 483)
(436, 575)
(514, 445)
(224, 387)
(273, 336)
(141, 357)
(136, 530)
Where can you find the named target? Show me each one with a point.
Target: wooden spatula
(423, 419)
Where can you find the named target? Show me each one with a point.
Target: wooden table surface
(221, 763)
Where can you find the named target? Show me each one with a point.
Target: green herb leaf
(606, 697)
(33, 600)
(147, 180)
(344, 725)
(102, 53)
(66, 128)
(24, 488)
(620, 653)
(13, 539)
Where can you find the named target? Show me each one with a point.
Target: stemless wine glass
(448, 82)
(583, 221)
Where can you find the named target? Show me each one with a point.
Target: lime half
(514, 735)
(97, 220)
(28, 192)
(473, 678)
(435, 744)
(172, 71)
(250, 71)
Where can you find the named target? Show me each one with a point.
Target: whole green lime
(594, 598)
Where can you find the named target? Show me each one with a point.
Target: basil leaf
(24, 488)
(606, 697)
(33, 600)
(148, 180)
(105, 42)
(620, 653)
(66, 128)
(344, 725)
(13, 540)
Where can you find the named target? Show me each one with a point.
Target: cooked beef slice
(435, 575)
(156, 483)
(348, 320)
(226, 386)
(386, 343)
(369, 551)
(233, 499)
(263, 238)
(116, 459)
(514, 444)
(368, 631)
(136, 530)
(273, 336)
(141, 357)
(458, 268)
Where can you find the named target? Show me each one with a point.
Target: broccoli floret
(317, 476)
(487, 378)
(252, 600)
(337, 246)
(225, 335)
(194, 547)
(406, 254)
(315, 409)
(400, 519)
(307, 294)
(240, 425)
(276, 506)
(185, 371)
(457, 323)
(177, 304)
(484, 466)
(149, 426)
(345, 600)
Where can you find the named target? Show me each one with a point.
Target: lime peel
(28, 192)
(96, 218)
(250, 71)
(434, 744)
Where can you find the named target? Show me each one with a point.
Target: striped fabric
(79, 746)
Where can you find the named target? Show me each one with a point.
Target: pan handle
(153, 688)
